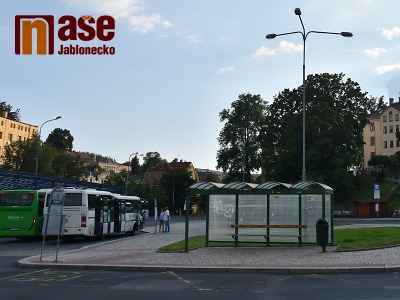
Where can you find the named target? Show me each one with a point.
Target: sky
(179, 63)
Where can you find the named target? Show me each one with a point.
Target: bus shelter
(271, 212)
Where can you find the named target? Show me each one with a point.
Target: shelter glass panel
(252, 210)
(221, 215)
(284, 209)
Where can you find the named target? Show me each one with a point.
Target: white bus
(93, 213)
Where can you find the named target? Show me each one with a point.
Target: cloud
(289, 47)
(263, 51)
(391, 33)
(224, 70)
(388, 68)
(133, 11)
(195, 38)
(282, 47)
(375, 52)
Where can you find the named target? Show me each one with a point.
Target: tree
(19, 156)
(135, 166)
(174, 183)
(61, 139)
(116, 178)
(239, 139)
(151, 160)
(12, 115)
(336, 113)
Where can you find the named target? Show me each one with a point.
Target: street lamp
(303, 33)
(38, 149)
(127, 173)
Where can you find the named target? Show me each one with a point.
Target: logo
(36, 34)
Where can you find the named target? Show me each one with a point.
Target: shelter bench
(267, 236)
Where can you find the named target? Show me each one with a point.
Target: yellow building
(116, 168)
(380, 132)
(14, 131)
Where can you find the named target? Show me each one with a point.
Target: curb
(26, 263)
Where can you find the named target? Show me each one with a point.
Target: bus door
(115, 217)
(98, 216)
(122, 217)
(106, 212)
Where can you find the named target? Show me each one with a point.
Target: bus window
(73, 199)
(24, 199)
(128, 207)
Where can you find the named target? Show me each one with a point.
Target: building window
(397, 143)
(391, 144)
(391, 129)
(385, 144)
(372, 141)
(397, 128)
(390, 116)
(384, 129)
(396, 117)
(371, 127)
(372, 154)
(1, 135)
(384, 119)
(10, 137)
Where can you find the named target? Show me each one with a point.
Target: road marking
(24, 274)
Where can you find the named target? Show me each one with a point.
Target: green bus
(21, 213)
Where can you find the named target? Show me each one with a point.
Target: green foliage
(174, 183)
(12, 115)
(151, 160)
(21, 156)
(135, 166)
(336, 113)
(239, 139)
(211, 177)
(118, 179)
(380, 161)
(61, 139)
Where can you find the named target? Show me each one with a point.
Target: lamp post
(304, 35)
(38, 149)
(127, 173)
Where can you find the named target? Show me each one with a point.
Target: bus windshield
(23, 199)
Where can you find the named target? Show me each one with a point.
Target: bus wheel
(133, 231)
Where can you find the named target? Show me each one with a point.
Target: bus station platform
(139, 253)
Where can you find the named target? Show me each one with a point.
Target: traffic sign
(377, 191)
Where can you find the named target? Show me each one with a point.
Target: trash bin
(322, 228)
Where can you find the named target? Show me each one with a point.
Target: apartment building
(11, 130)
(380, 132)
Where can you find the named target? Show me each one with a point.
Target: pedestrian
(161, 219)
(166, 219)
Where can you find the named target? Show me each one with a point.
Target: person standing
(166, 219)
(161, 219)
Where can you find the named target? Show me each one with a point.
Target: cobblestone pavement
(140, 253)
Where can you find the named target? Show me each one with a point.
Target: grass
(366, 238)
(346, 239)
